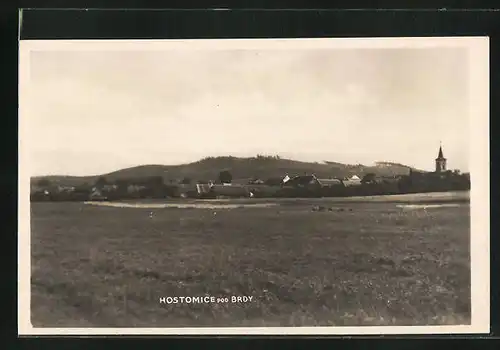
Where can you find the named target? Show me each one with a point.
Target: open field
(364, 262)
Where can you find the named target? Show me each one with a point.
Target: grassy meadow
(359, 262)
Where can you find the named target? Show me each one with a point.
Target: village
(304, 185)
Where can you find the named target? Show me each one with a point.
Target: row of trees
(154, 187)
(124, 188)
(224, 176)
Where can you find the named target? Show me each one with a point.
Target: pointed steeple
(440, 160)
(440, 155)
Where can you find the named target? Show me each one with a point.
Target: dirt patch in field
(427, 206)
(181, 205)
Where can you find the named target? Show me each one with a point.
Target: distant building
(65, 189)
(286, 179)
(311, 181)
(351, 181)
(96, 194)
(203, 188)
(329, 182)
(440, 162)
(223, 190)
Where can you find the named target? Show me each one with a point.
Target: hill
(241, 168)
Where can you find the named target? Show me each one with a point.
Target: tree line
(146, 187)
(155, 187)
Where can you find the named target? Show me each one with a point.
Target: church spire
(440, 160)
(440, 155)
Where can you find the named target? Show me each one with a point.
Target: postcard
(334, 186)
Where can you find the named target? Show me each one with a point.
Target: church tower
(440, 161)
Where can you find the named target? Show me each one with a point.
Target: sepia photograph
(254, 186)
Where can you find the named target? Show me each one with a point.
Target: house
(285, 179)
(304, 181)
(274, 181)
(351, 181)
(301, 181)
(203, 189)
(225, 190)
(329, 182)
(194, 190)
(96, 194)
(65, 189)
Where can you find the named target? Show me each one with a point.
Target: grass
(371, 264)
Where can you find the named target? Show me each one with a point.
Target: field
(371, 261)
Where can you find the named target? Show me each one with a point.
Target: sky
(96, 111)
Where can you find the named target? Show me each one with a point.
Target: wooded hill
(262, 167)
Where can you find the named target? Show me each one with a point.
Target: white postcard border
(479, 169)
